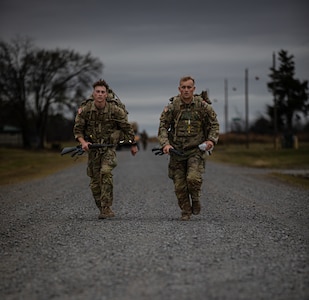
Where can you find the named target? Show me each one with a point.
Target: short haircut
(101, 83)
(186, 78)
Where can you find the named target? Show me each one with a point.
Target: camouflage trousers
(187, 175)
(101, 162)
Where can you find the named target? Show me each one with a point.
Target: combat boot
(186, 210)
(185, 216)
(102, 215)
(106, 212)
(196, 207)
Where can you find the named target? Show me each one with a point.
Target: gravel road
(249, 242)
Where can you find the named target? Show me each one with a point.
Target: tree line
(40, 88)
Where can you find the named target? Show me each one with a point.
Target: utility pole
(247, 107)
(226, 105)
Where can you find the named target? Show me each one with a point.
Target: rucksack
(112, 97)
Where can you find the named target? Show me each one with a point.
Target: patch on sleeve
(79, 110)
(165, 109)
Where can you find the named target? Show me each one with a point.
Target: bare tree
(36, 83)
(56, 80)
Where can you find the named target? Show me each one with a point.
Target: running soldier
(188, 124)
(101, 121)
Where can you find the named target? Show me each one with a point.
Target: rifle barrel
(78, 149)
(67, 150)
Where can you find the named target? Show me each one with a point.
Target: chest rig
(100, 124)
(188, 121)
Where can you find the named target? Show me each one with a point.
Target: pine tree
(290, 93)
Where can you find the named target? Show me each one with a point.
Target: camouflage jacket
(102, 126)
(185, 126)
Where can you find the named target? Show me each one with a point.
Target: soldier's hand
(209, 145)
(85, 146)
(134, 150)
(166, 149)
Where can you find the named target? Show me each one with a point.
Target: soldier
(188, 124)
(101, 121)
(144, 139)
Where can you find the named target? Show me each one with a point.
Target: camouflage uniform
(102, 126)
(185, 126)
(112, 97)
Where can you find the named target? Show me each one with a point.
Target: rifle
(78, 150)
(159, 151)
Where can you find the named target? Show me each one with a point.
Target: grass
(263, 155)
(18, 165)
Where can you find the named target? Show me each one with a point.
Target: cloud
(147, 46)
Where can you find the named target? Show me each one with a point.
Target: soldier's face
(99, 96)
(186, 90)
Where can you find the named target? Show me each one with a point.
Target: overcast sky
(146, 46)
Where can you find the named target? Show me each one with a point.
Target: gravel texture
(249, 242)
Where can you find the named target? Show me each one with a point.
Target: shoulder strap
(117, 102)
(174, 104)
